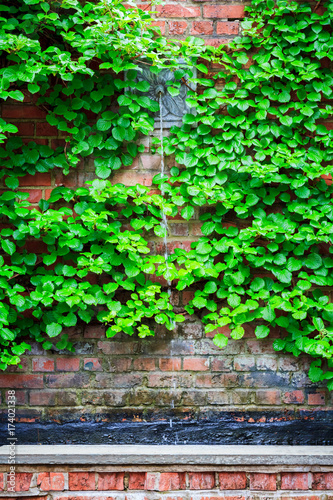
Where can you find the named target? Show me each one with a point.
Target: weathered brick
(39, 179)
(268, 397)
(202, 28)
(293, 397)
(232, 480)
(172, 481)
(136, 480)
(262, 481)
(223, 11)
(177, 28)
(322, 481)
(217, 397)
(294, 481)
(51, 481)
(43, 365)
(68, 364)
(201, 480)
(42, 398)
(196, 364)
(159, 24)
(110, 481)
(22, 481)
(221, 364)
(92, 364)
(144, 364)
(81, 481)
(22, 111)
(227, 28)
(21, 381)
(67, 380)
(169, 364)
(316, 399)
(21, 397)
(45, 129)
(34, 194)
(244, 363)
(67, 398)
(170, 11)
(267, 363)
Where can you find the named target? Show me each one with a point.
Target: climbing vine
(253, 159)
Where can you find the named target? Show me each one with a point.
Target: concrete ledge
(169, 455)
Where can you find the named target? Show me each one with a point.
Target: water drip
(164, 217)
(165, 225)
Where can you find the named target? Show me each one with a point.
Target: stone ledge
(170, 455)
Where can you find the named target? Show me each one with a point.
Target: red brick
(261, 481)
(294, 481)
(152, 480)
(232, 480)
(159, 24)
(196, 364)
(144, 364)
(53, 481)
(45, 129)
(322, 481)
(216, 42)
(120, 364)
(34, 194)
(316, 399)
(136, 480)
(68, 364)
(110, 481)
(25, 129)
(21, 381)
(201, 480)
(268, 397)
(169, 364)
(177, 27)
(2, 482)
(42, 398)
(81, 481)
(94, 332)
(22, 481)
(67, 380)
(202, 28)
(20, 397)
(227, 28)
(131, 178)
(244, 363)
(224, 11)
(177, 11)
(172, 481)
(186, 297)
(294, 397)
(39, 179)
(43, 365)
(92, 364)
(19, 111)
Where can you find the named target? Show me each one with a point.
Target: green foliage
(256, 152)
(253, 156)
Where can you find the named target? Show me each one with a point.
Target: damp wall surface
(177, 386)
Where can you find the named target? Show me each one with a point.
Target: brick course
(71, 482)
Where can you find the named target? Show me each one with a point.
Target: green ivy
(251, 159)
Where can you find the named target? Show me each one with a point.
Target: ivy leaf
(53, 329)
(220, 340)
(261, 331)
(8, 246)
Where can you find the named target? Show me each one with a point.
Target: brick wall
(183, 370)
(99, 482)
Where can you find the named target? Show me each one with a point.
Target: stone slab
(170, 455)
